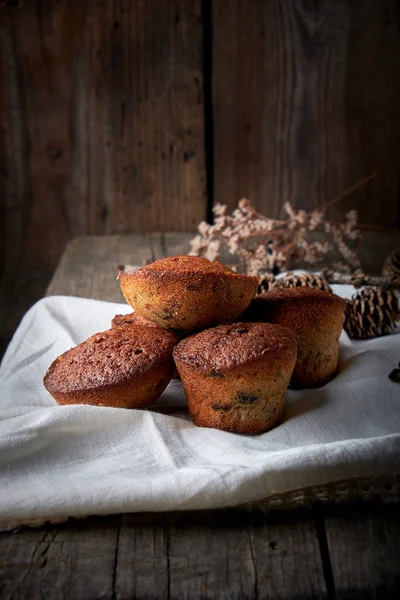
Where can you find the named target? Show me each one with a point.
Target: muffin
(124, 367)
(235, 376)
(187, 293)
(317, 319)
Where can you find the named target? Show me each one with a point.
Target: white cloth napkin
(57, 462)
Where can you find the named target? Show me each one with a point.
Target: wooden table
(324, 551)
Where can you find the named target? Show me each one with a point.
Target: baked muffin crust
(226, 347)
(126, 366)
(187, 293)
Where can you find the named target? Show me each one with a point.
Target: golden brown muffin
(235, 376)
(316, 317)
(187, 293)
(132, 319)
(124, 367)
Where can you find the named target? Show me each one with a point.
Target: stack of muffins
(236, 352)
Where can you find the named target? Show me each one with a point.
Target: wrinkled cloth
(74, 461)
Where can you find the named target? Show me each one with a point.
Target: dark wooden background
(123, 116)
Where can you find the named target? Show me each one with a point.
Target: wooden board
(65, 561)
(306, 103)
(235, 553)
(373, 544)
(102, 129)
(240, 553)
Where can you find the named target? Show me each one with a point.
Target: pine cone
(266, 283)
(391, 268)
(307, 279)
(371, 312)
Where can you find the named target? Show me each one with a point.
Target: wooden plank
(177, 243)
(232, 553)
(364, 548)
(244, 553)
(235, 553)
(73, 560)
(170, 244)
(102, 129)
(142, 567)
(210, 556)
(89, 266)
(116, 88)
(283, 543)
(305, 104)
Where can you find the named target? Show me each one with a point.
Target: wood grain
(142, 566)
(90, 265)
(370, 543)
(64, 561)
(238, 553)
(234, 553)
(280, 543)
(306, 99)
(102, 129)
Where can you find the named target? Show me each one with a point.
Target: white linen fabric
(63, 461)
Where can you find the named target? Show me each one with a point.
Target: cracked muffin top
(187, 293)
(221, 348)
(302, 308)
(109, 358)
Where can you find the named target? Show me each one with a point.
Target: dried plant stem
(366, 226)
(348, 191)
(323, 208)
(359, 279)
(265, 244)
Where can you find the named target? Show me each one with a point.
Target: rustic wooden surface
(306, 103)
(102, 129)
(90, 264)
(333, 552)
(243, 553)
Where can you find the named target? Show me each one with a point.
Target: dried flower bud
(220, 210)
(262, 243)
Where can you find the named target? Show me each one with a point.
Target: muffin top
(297, 306)
(185, 266)
(109, 358)
(228, 346)
(301, 293)
(185, 262)
(188, 293)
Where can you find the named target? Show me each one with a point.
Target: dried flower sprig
(359, 279)
(263, 244)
